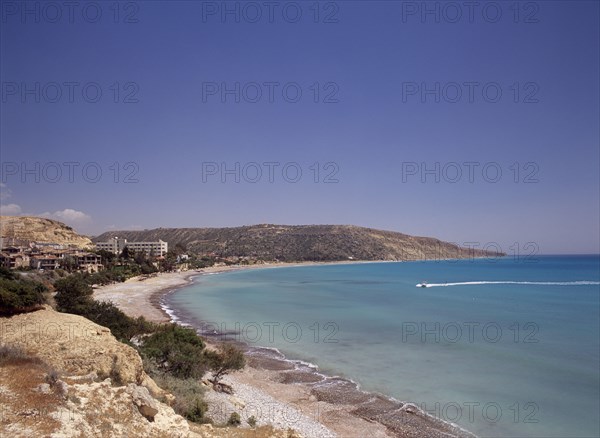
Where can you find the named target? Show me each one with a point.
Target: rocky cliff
(21, 230)
(77, 380)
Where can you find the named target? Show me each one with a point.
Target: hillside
(301, 243)
(20, 230)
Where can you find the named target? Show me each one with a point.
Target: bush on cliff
(74, 295)
(180, 352)
(122, 327)
(228, 358)
(176, 350)
(18, 295)
(189, 396)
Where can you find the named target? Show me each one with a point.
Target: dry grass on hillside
(24, 410)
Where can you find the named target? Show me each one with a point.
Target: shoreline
(336, 404)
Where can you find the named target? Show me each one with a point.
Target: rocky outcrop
(79, 381)
(74, 345)
(20, 230)
(147, 406)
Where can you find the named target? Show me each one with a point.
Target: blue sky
(471, 125)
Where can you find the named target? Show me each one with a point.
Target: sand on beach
(135, 296)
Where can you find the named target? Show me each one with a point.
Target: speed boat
(423, 284)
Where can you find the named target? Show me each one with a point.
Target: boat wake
(543, 283)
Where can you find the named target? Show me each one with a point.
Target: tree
(69, 263)
(169, 261)
(108, 257)
(177, 350)
(144, 263)
(126, 254)
(73, 294)
(228, 358)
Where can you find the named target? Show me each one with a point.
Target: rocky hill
(302, 243)
(20, 230)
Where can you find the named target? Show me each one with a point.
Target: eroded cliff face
(73, 345)
(78, 380)
(22, 229)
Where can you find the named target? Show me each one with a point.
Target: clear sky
(467, 121)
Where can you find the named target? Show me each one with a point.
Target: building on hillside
(14, 260)
(49, 246)
(45, 262)
(114, 245)
(12, 249)
(117, 245)
(89, 262)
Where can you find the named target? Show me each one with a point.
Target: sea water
(504, 347)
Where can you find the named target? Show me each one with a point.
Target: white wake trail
(544, 283)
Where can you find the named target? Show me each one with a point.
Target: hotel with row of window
(116, 245)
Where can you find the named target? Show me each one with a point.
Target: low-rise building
(14, 260)
(45, 246)
(49, 257)
(46, 262)
(89, 262)
(12, 249)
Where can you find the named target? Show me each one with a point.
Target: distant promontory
(294, 243)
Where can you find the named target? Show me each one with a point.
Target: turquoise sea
(503, 347)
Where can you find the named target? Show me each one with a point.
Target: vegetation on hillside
(74, 295)
(176, 350)
(18, 294)
(173, 355)
(301, 243)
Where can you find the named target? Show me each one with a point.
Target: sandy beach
(277, 393)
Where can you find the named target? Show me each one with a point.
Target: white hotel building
(116, 246)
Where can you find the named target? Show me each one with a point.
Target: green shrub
(196, 412)
(234, 419)
(176, 350)
(252, 421)
(189, 393)
(228, 358)
(73, 294)
(123, 327)
(18, 295)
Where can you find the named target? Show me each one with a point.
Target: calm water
(514, 359)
